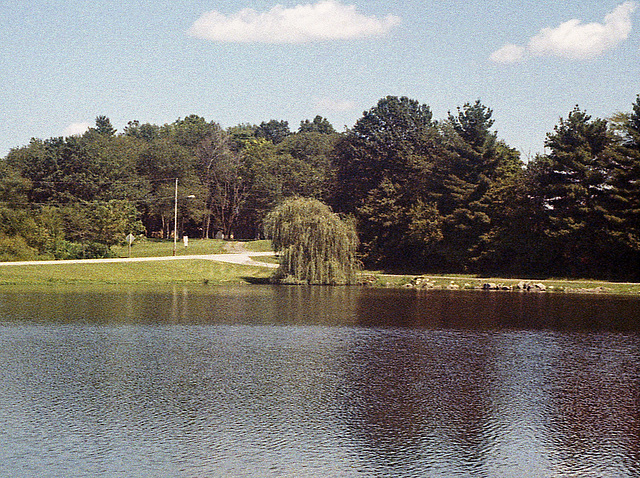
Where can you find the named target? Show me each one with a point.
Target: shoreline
(214, 272)
(235, 264)
(496, 284)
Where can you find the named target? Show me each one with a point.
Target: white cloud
(325, 20)
(574, 39)
(333, 105)
(76, 129)
(509, 53)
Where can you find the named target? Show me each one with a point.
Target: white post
(175, 220)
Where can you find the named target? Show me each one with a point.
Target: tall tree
(392, 140)
(273, 130)
(158, 164)
(146, 131)
(190, 132)
(473, 162)
(623, 190)
(383, 167)
(104, 127)
(573, 190)
(317, 125)
(221, 171)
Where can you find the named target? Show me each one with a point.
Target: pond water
(262, 381)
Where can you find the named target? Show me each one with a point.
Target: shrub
(15, 248)
(65, 250)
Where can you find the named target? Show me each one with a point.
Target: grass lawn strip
(153, 263)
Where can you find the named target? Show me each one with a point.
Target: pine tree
(473, 162)
(574, 192)
(623, 192)
(103, 126)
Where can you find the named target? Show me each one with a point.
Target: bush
(15, 248)
(65, 250)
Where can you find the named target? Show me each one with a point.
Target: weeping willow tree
(315, 245)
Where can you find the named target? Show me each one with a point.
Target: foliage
(112, 221)
(472, 165)
(273, 130)
(392, 140)
(315, 245)
(65, 250)
(445, 195)
(220, 170)
(298, 166)
(146, 132)
(15, 248)
(318, 125)
(572, 180)
(104, 127)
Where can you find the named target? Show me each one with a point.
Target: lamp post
(175, 217)
(175, 220)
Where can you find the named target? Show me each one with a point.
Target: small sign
(130, 238)
(185, 239)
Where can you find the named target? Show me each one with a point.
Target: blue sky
(65, 62)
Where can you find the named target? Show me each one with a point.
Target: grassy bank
(470, 282)
(164, 248)
(151, 272)
(211, 272)
(215, 273)
(160, 272)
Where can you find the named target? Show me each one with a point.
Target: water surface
(317, 382)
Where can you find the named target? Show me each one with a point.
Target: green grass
(211, 272)
(160, 272)
(258, 246)
(267, 259)
(471, 282)
(161, 248)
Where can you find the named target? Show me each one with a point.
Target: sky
(63, 63)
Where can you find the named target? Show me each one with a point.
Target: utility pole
(175, 220)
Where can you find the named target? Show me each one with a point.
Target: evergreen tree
(103, 126)
(473, 163)
(573, 191)
(623, 192)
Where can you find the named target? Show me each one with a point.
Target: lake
(266, 381)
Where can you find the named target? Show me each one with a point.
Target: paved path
(245, 258)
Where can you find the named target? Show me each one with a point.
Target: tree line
(428, 195)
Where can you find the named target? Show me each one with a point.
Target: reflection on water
(317, 382)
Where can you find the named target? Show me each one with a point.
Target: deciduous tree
(318, 125)
(315, 245)
(273, 130)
